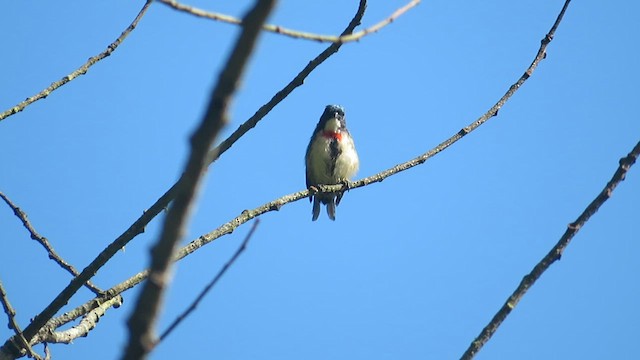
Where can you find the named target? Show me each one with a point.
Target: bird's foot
(348, 184)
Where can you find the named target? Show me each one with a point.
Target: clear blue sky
(413, 267)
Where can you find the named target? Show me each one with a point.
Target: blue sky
(413, 267)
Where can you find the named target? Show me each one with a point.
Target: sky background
(413, 267)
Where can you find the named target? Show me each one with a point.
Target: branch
(91, 309)
(13, 324)
(142, 322)
(81, 70)
(553, 255)
(45, 243)
(82, 329)
(210, 285)
(294, 33)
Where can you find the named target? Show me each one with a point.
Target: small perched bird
(331, 158)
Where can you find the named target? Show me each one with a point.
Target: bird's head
(332, 122)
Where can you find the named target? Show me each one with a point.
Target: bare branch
(45, 243)
(93, 309)
(81, 70)
(553, 255)
(142, 321)
(13, 324)
(210, 285)
(294, 33)
(82, 329)
(8, 309)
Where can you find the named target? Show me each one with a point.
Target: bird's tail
(331, 208)
(316, 208)
(329, 200)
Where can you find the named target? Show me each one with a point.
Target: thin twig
(294, 33)
(210, 285)
(553, 255)
(45, 243)
(81, 70)
(13, 324)
(142, 321)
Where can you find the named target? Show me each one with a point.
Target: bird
(331, 159)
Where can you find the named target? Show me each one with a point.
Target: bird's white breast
(319, 162)
(347, 163)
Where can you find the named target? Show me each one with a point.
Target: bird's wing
(308, 169)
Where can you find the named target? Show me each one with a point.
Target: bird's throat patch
(332, 135)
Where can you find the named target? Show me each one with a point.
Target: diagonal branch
(348, 37)
(142, 321)
(45, 243)
(13, 324)
(81, 70)
(553, 255)
(88, 323)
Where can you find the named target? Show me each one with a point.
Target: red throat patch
(332, 135)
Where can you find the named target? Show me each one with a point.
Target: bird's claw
(348, 184)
